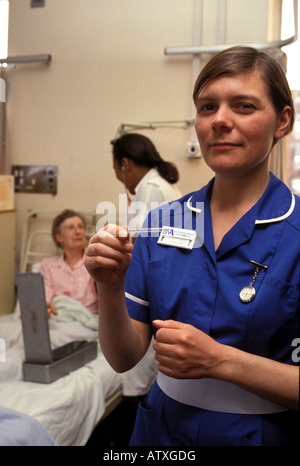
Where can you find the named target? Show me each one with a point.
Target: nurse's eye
(245, 107)
(206, 108)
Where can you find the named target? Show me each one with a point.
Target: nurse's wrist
(225, 364)
(111, 296)
(116, 287)
(235, 366)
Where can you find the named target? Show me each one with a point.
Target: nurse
(144, 173)
(225, 313)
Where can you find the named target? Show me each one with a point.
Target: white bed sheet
(70, 407)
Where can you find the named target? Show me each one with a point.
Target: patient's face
(72, 234)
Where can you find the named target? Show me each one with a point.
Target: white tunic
(151, 191)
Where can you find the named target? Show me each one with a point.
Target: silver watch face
(247, 294)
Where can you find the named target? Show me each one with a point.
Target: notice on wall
(7, 192)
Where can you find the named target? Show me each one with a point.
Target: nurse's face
(236, 123)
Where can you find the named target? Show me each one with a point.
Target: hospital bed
(72, 406)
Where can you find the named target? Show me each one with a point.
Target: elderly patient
(66, 274)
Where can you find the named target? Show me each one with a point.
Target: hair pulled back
(242, 59)
(143, 153)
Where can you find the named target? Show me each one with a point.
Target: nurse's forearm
(272, 380)
(119, 338)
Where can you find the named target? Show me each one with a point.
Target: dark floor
(116, 429)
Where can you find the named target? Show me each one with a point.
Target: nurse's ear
(125, 164)
(284, 123)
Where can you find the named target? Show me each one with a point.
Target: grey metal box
(48, 373)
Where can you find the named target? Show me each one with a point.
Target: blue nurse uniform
(201, 287)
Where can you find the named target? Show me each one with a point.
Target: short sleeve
(136, 282)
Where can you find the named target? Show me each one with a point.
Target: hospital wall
(108, 66)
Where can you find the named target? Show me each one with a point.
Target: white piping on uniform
(136, 300)
(194, 209)
(278, 219)
(257, 222)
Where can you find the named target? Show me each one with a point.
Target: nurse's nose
(222, 119)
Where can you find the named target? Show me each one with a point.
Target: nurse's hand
(183, 351)
(108, 255)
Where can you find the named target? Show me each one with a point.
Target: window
(4, 11)
(293, 50)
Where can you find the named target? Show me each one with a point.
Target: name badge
(177, 237)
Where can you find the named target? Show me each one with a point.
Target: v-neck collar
(276, 204)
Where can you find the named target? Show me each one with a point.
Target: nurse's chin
(235, 169)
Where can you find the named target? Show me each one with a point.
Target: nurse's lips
(223, 145)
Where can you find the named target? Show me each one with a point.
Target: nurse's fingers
(117, 231)
(109, 248)
(107, 257)
(108, 253)
(167, 324)
(112, 236)
(111, 231)
(171, 334)
(168, 330)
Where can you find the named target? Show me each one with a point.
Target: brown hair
(239, 59)
(59, 219)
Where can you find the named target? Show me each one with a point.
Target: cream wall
(108, 66)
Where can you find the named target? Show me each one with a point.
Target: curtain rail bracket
(45, 58)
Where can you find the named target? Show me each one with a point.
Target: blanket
(73, 322)
(70, 310)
